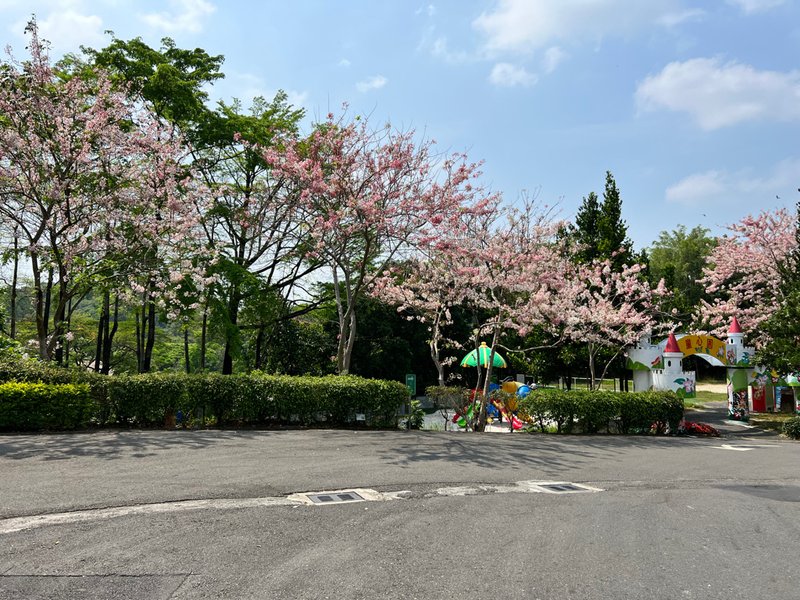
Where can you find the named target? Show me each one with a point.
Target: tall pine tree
(600, 230)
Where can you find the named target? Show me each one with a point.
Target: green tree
(599, 230)
(600, 234)
(679, 257)
(171, 79)
(612, 232)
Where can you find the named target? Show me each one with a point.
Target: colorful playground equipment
(497, 409)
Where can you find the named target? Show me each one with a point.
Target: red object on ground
(700, 429)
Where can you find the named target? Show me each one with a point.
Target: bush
(28, 406)
(14, 367)
(594, 411)
(791, 428)
(153, 399)
(255, 398)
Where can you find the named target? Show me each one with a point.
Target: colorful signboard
(705, 345)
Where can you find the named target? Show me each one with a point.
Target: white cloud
(718, 95)
(553, 57)
(246, 86)
(185, 15)
(523, 25)
(723, 187)
(344, 63)
(674, 19)
(373, 83)
(67, 29)
(508, 75)
(441, 49)
(756, 6)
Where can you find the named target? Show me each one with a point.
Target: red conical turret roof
(735, 328)
(672, 344)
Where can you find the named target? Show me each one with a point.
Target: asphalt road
(210, 514)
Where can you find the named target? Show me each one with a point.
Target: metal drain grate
(335, 498)
(563, 488)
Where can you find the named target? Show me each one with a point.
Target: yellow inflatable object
(511, 387)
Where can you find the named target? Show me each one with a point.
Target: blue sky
(694, 106)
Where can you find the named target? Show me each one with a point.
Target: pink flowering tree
(89, 179)
(426, 290)
(369, 198)
(744, 273)
(513, 268)
(505, 265)
(611, 309)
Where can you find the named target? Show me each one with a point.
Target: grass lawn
(704, 396)
(772, 421)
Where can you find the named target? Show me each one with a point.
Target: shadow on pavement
(114, 444)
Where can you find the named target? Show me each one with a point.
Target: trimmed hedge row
(594, 411)
(255, 398)
(32, 406)
(156, 398)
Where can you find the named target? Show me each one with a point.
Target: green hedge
(28, 406)
(791, 428)
(154, 399)
(595, 411)
(255, 398)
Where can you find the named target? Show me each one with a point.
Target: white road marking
(15, 524)
(743, 448)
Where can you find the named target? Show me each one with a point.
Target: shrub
(155, 398)
(255, 398)
(28, 406)
(791, 428)
(14, 367)
(593, 411)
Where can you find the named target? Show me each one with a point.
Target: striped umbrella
(471, 359)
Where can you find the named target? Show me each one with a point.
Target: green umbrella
(470, 360)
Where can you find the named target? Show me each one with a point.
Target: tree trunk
(38, 302)
(260, 347)
(145, 332)
(13, 329)
(203, 330)
(140, 315)
(98, 352)
(186, 348)
(108, 338)
(151, 335)
(233, 314)
(487, 382)
(68, 326)
(351, 342)
(591, 366)
(46, 315)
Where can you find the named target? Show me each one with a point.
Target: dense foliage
(148, 231)
(597, 411)
(156, 399)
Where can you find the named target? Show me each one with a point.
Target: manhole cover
(563, 488)
(334, 497)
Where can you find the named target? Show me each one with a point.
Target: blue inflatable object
(493, 387)
(523, 391)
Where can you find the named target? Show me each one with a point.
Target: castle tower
(738, 358)
(672, 357)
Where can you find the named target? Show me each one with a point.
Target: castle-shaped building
(659, 366)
